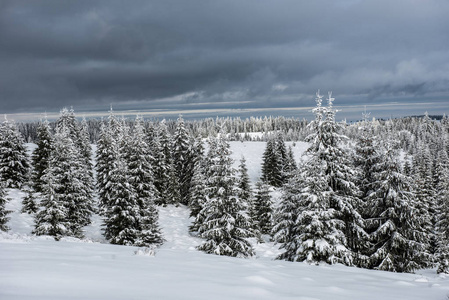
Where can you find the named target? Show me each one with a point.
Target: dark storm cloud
(254, 53)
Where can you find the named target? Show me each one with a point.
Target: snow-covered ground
(40, 268)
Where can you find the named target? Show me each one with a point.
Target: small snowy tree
(243, 183)
(29, 204)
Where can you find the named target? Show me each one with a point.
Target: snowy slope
(40, 268)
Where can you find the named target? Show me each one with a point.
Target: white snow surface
(40, 268)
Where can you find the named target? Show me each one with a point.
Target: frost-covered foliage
(14, 164)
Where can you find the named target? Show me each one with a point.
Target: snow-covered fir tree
(310, 229)
(14, 163)
(65, 175)
(442, 214)
(198, 197)
(327, 198)
(105, 159)
(141, 178)
(122, 212)
(3, 211)
(245, 192)
(290, 164)
(85, 147)
(262, 208)
(41, 153)
(29, 204)
(398, 240)
(198, 185)
(425, 193)
(226, 222)
(52, 218)
(272, 172)
(164, 170)
(182, 160)
(367, 156)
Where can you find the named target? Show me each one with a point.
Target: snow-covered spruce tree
(290, 164)
(198, 185)
(203, 171)
(398, 239)
(66, 166)
(226, 224)
(262, 209)
(67, 120)
(243, 183)
(52, 219)
(3, 211)
(309, 228)
(282, 156)
(29, 204)
(326, 151)
(122, 212)
(271, 166)
(163, 168)
(14, 164)
(106, 157)
(85, 147)
(442, 214)
(182, 160)
(198, 196)
(141, 178)
(325, 200)
(367, 156)
(41, 154)
(82, 150)
(284, 229)
(425, 202)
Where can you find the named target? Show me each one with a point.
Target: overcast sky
(258, 55)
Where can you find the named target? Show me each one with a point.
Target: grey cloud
(92, 53)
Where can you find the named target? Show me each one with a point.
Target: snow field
(40, 268)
